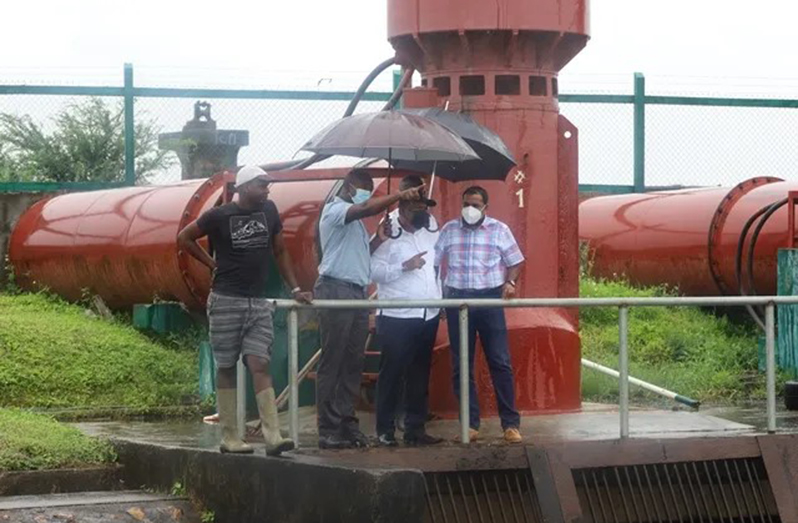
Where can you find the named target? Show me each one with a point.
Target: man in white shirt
(402, 268)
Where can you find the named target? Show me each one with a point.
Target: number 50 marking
(520, 194)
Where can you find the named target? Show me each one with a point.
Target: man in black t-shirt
(243, 235)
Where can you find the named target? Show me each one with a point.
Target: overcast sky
(689, 47)
(184, 41)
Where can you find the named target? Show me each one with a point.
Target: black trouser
(406, 346)
(340, 370)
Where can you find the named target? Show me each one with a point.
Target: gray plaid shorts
(240, 326)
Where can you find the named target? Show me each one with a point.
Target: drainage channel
(506, 496)
(733, 490)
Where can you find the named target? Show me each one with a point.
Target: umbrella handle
(432, 179)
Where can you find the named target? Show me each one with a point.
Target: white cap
(249, 173)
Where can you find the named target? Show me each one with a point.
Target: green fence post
(640, 132)
(130, 129)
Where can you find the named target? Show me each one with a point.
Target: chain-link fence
(75, 137)
(606, 145)
(695, 145)
(277, 128)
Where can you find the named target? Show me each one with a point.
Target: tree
(87, 144)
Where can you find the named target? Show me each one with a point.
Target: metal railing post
(770, 365)
(464, 399)
(241, 397)
(623, 369)
(640, 133)
(293, 374)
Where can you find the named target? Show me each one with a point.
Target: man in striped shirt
(481, 259)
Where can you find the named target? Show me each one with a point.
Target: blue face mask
(361, 195)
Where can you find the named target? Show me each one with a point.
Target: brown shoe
(473, 435)
(513, 435)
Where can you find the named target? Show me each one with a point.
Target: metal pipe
(623, 365)
(770, 357)
(464, 410)
(696, 230)
(282, 399)
(293, 371)
(397, 93)
(643, 384)
(350, 110)
(364, 85)
(241, 398)
(687, 301)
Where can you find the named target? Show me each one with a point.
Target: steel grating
(482, 496)
(724, 490)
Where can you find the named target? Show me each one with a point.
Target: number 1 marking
(520, 194)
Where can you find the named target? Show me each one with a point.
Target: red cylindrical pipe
(688, 238)
(121, 244)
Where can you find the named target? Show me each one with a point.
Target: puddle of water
(755, 413)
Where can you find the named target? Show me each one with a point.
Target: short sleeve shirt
(345, 251)
(477, 258)
(242, 246)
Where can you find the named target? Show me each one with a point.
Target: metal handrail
(665, 301)
(623, 304)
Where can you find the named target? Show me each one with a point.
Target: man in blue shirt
(344, 274)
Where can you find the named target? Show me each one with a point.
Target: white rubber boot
(270, 424)
(227, 404)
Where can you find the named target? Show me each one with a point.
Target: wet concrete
(97, 507)
(754, 413)
(31, 482)
(388, 485)
(594, 422)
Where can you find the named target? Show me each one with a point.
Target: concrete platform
(402, 484)
(595, 422)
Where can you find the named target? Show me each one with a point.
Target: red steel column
(499, 62)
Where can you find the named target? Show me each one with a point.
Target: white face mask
(471, 215)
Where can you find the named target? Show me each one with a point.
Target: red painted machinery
(692, 238)
(497, 61)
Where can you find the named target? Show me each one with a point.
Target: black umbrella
(495, 161)
(392, 136)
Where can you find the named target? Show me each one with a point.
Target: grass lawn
(687, 350)
(31, 441)
(55, 355)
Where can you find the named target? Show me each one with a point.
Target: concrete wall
(289, 489)
(12, 205)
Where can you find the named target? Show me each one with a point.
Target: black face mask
(420, 220)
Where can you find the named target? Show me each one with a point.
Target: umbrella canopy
(495, 159)
(394, 136)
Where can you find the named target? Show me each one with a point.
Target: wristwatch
(511, 282)
(296, 290)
